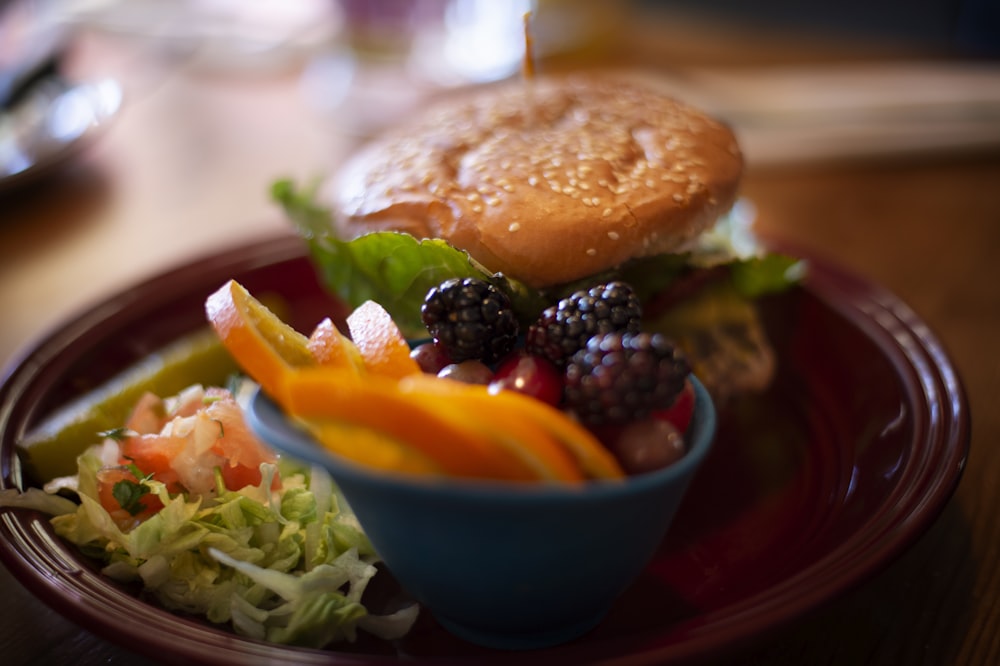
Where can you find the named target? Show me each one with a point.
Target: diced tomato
(240, 476)
(145, 507)
(147, 416)
(190, 401)
(204, 430)
(238, 446)
(154, 454)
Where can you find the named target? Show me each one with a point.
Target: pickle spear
(51, 448)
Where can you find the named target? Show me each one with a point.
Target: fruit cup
(501, 564)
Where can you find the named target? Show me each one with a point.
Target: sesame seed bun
(548, 180)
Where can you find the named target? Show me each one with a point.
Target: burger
(546, 186)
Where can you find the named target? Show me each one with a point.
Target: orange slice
(260, 342)
(517, 433)
(380, 341)
(592, 456)
(369, 447)
(451, 440)
(330, 347)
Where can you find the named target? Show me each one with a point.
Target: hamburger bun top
(547, 180)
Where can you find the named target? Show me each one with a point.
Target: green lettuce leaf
(286, 566)
(37, 499)
(766, 274)
(397, 270)
(394, 269)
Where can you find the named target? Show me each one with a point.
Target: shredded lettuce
(287, 566)
(38, 500)
(398, 270)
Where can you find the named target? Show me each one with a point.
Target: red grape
(531, 375)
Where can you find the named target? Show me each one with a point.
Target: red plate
(811, 488)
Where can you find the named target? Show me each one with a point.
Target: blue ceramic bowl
(508, 566)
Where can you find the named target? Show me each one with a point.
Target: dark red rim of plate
(54, 572)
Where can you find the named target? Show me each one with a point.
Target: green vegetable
(770, 273)
(51, 448)
(129, 494)
(117, 434)
(394, 269)
(286, 566)
(397, 270)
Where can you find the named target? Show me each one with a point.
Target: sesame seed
(477, 209)
(606, 213)
(613, 235)
(493, 201)
(514, 226)
(591, 252)
(678, 197)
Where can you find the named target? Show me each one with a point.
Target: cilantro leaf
(117, 434)
(129, 494)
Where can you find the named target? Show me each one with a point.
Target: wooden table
(184, 171)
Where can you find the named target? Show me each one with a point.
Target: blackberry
(471, 320)
(564, 328)
(621, 377)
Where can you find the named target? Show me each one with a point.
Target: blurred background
(137, 135)
(958, 27)
(154, 127)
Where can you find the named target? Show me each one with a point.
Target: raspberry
(471, 320)
(622, 377)
(564, 328)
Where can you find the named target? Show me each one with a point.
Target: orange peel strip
(380, 341)
(516, 432)
(369, 447)
(450, 440)
(261, 343)
(330, 347)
